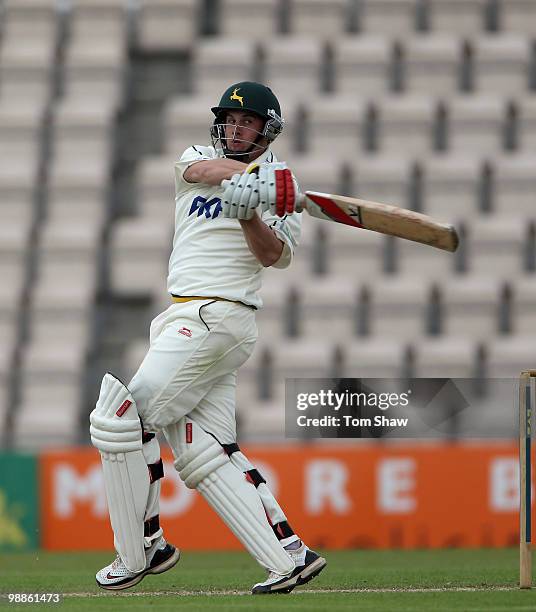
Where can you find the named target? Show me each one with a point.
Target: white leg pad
(203, 465)
(116, 432)
(273, 509)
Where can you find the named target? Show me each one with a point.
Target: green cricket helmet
(255, 98)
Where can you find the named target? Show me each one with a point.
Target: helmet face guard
(221, 132)
(254, 98)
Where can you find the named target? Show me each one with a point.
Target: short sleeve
(192, 155)
(287, 229)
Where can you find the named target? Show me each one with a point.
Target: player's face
(241, 130)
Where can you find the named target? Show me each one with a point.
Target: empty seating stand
(167, 25)
(502, 64)
(362, 64)
(432, 63)
(425, 104)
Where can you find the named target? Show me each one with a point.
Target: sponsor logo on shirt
(211, 208)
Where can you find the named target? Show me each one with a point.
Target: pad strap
(156, 471)
(151, 526)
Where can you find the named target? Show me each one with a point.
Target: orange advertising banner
(362, 496)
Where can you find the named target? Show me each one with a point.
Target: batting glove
(278, 189)
(241, 196)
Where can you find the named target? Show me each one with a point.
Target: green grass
(381, 580)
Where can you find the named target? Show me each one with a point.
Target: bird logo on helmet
(257, 99)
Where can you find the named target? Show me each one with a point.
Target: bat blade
(382, 218)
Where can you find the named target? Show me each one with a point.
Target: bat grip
(301, 202)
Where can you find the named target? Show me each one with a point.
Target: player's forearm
(213, 171)
(262, 241)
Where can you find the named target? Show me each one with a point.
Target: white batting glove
(278, 189)
(241, 196)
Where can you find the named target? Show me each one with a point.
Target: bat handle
(301, 202)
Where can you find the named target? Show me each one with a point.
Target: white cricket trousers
(190, 368)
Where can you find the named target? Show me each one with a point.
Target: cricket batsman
(234, 216)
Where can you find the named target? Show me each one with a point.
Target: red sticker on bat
(332, 210)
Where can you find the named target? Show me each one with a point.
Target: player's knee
(199, 454)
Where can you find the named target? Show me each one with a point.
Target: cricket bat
(382, 218)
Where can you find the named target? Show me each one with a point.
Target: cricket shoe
(308, 565)
(161, 556)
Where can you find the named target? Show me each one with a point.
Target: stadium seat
(509, 355)
(307, 358)
(517, 16)
(514, 184)
(293, 65)
(405, 124)
(155, 191)
(463, 17)
(78, 189)
(445, 357)
(286, 146)
(470, 306)
(139, 252)
(96, 71)
(396, 17)
(262, 18)
(526, 129)
(327, 19)
(412, 258)
(259, 420)
(26, 69)
(374, 357)
(62, 313)
(335, 125)
(132, 357)
(352, 255)
(98, 19)
(17, 191)
(187, 121)
(318, 173)
(398, 307)
(432, 63)
(48, 414)
(496, 245)
(21, 128)
(11, 301)
(450, 186)
(362, 65)
(218, 62)
(501, 64)
(382, 178)
(167, 25)
(475, 124)
(328, 309)
(68, 251)
(83, 128)
(523, 311)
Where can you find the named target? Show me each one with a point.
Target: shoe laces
(117, 563)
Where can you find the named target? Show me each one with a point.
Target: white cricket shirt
(210, 254)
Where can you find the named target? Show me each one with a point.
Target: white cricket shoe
(308, 565)
(161, 556)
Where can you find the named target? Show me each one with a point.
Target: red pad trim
(123, 408)
(188, 433)
(332, 210)
(290, 192)
(280, 191)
